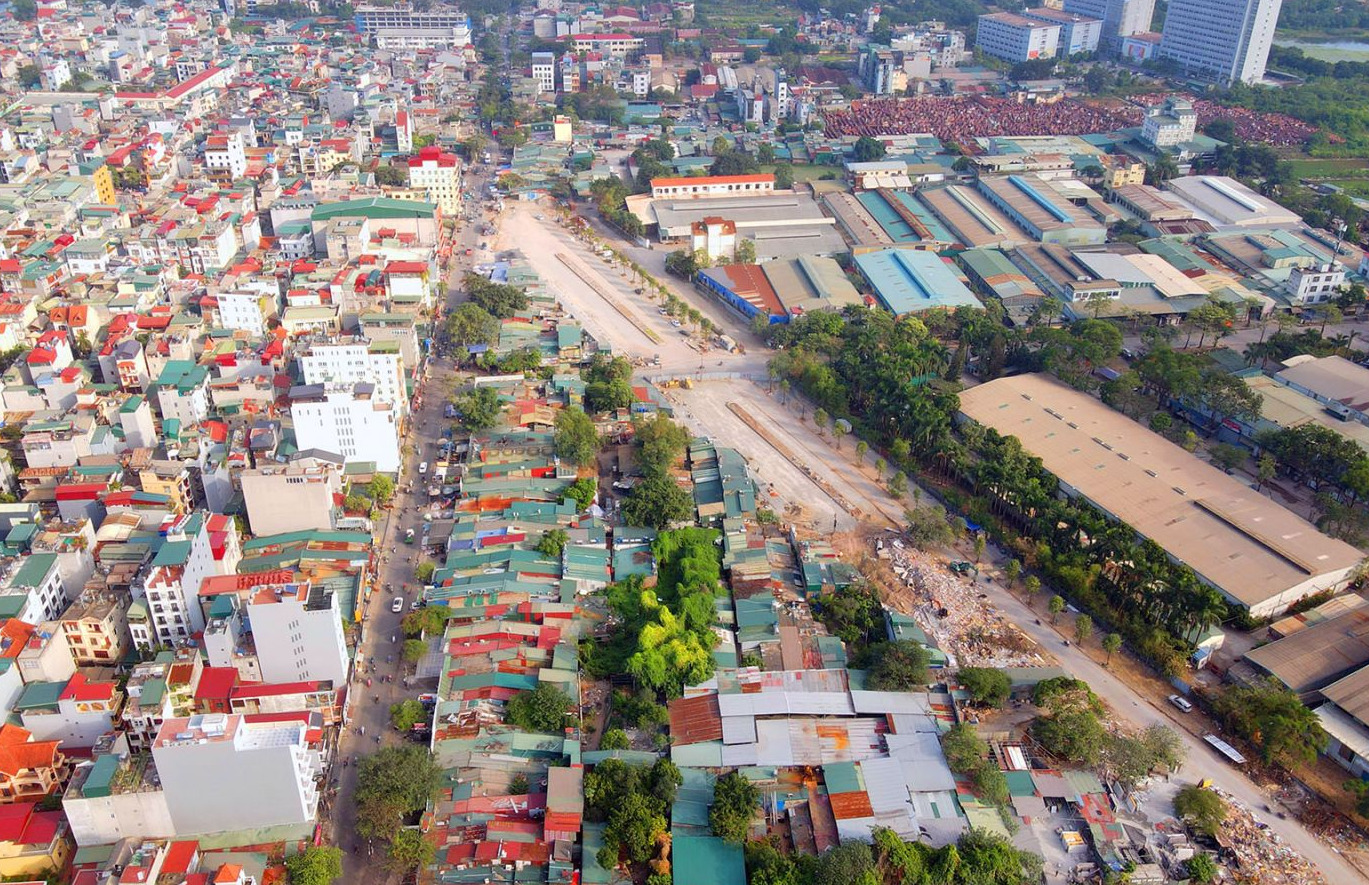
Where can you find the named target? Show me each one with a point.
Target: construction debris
(1260, 856)
(960, 620)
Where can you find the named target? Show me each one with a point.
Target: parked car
(1181, 702)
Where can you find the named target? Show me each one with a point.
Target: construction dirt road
(813, 484)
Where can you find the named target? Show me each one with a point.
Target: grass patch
(1355, 187)
(808, 171)
(1313, 168)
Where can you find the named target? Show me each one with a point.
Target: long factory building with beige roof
(1257, 553)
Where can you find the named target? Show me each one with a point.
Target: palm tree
(1111, 643)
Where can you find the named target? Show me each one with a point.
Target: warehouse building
(910, 281)
(809, 283)
(1259, 555)
(783, 225)
(1038, 207)
(972, 220)
(992, 274)
(1225, 202)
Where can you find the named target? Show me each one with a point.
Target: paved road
(382, 636)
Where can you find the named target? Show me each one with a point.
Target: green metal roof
(374, 207)
(34, 570)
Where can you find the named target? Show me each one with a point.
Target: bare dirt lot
(787, 456)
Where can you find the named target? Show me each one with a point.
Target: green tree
(576, 439)
(518, 785)
(381, 488)
(497, 299)
(1032, 586)
(898, 484)
(660, 443)
(927, 527)
(430, 620)
(735, 802)
(414, 650)
(479, 409)
(406, 714)
(553, 543)
(583, 492)
(850, 863)
(315, 865)
(1201, 869)
(784, 176)
(391, 176)
(1083, 628)
(867, 149)
(409, 851)
(987, 686)
(1056, 606)
(862, 448)
(1203, 809)
(1271, 717)
(1073, 735)
(745, 252)
(614, 739)
(1012, 570)
(897, 666)
(542, 709)
(392, 783)
(470, 323)
(682, 263)
(634, 826)
(1111, 643)
(24, 11)
(657, 502)
(423, 572)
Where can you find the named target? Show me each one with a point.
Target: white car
(423, 468)
(1181, 702)
(398, 605)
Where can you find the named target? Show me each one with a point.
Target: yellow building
(33, 843)
(100, 176)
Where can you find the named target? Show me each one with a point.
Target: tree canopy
(497, 299)
(315, 865)
(735, 803)
(542, 709)
(576, 439)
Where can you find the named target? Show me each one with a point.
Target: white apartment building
(135, 417)
(224, 772)
(1016, 38)
(40, 580)
(196, 546)
(346, 363)
(225, 157)
(438, 174)
(247, 311)
(1170, 124)
(1228, 40)
(1121, 18)
(1315, 285)
(297, 629)
(352, 423)
(1078, 34)
(544, 71)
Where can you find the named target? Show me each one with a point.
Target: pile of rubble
(1261, 856)
(959, 619)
